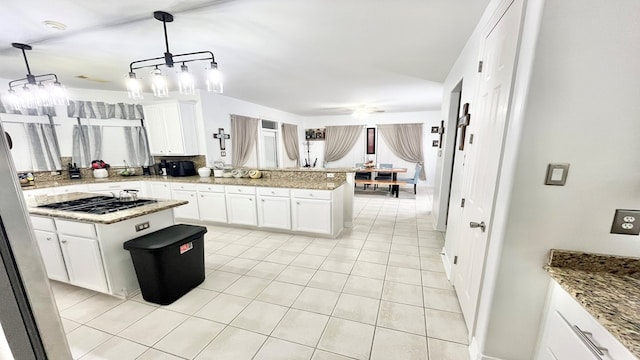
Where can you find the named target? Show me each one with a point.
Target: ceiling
(308, 57)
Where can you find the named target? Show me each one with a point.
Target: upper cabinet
(171, 128)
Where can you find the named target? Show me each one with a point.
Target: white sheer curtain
(244, 136)
(290, 140)
(405, 140)
(135, 138)
(45, 153)
(87, 144)
(339, 140)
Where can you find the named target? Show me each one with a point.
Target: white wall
(383, 154)
(216, 110)
(583, 88)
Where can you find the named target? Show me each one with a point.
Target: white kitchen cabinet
(114, 188)
(212, 204)
(159, 190)
(84, 262)
(171, 128)
(274, 208)
(187, 211)
(51, 255)
(68, 189)
(311, 215)
(241, 205)
(570, 332)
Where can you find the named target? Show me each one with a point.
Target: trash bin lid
(165, 237)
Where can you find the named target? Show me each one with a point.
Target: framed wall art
(314, 134)
(371, 141)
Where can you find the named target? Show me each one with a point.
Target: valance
(41, 110)
(102, 110)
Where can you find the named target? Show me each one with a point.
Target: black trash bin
(168, 262)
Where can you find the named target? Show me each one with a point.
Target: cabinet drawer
(183, 186)
(43, 223)
(76, 228)
(280, 192)
(240, 190)
(210, 188)
(311, 194)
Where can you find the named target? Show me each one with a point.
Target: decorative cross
(441, 132)
(463, 122)
(222, 137)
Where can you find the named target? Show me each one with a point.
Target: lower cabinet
(188, 211)
(51, 255)
(212, 206)
(241, 209)
(274, 208)
(310, 215)
(570, 333)
(84, 262)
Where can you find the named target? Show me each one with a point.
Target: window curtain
(339, 140)
(45, 152)
(290, 139)
(405, 141)
(244, 133)
(137, 146)
(102, 110)
(87, 144)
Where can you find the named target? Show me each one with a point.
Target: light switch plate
(626, 222)
(556, 174)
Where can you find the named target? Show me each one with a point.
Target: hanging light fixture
(186, 81)
(34, 90)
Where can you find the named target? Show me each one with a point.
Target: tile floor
(377, 292)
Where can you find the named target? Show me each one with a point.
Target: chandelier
(34, 90)
(186, 82)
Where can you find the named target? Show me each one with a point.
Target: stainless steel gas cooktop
(97, 205)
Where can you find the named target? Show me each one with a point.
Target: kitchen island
(85, 249)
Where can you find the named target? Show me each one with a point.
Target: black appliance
(98, 205)
(74, 172)
(182, 168)
(146, 170)
(163, 168)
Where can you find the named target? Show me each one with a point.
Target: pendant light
(34, 90)
(186, 82)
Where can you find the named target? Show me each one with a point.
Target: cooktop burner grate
(98, 205)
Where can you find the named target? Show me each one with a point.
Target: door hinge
(455, 260)
(462, 203)
(480, 63)
(470, 139)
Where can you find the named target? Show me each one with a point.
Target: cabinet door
(274, 212)
(188, 211)
(212, 207)
(174, 141)
(241, 209)
(51, 255)
(312, 215)
(154, 123)
(562, 341)
(84, 262)
(160, 190)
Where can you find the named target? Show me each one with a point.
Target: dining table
(394, 175)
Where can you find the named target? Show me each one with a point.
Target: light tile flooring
(377, 292)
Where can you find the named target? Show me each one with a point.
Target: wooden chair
(414, 179)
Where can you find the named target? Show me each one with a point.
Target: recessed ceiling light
(55, 25)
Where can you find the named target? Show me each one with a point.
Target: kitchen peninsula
(85, 249)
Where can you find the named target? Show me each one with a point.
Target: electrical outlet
(626, 222)
(142, 226)
(330, 175)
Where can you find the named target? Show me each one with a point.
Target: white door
(269, 148)
(241, 209)
(212, 207)
(187, 211)
(84, 262)
(154, 123)
(274, 212)
(312, 216)
(51, 255)
(483, 159)
(173, 128)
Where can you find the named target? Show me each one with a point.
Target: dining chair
(414, 179)
(383, 176)
(362, 175)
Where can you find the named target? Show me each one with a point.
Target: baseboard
(348, 224)
(446, 263)
(475, 354)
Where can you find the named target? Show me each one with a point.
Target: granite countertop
(283, 183)
(607, 286)
(94, 218)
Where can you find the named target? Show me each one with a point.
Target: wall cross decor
(463, 122)
(222, 137)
